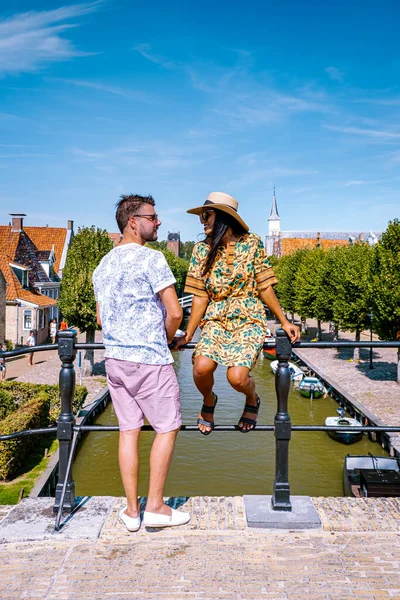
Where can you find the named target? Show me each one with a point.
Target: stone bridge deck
(355, 553)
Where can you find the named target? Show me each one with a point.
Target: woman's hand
(291, 330)
(179, 341)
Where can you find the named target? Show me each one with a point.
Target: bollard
(66, 421)
(281, 492)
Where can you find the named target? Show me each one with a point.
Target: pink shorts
(138, 390)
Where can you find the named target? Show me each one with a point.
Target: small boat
(269, 347)
(311, 387)
(346, 436)
(371, 476)
(295, 372)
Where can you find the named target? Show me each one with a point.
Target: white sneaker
(131, 523)
(156, 520)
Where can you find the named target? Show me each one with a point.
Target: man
(139, 312)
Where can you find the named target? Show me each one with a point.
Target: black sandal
(209, 410)
(251, 409)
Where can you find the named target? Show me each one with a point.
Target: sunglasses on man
(153, 218)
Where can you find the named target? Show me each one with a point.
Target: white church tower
(273, 239)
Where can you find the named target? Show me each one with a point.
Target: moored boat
(371, 476)
(345, 435)
(311, 387)
(295, 372)
(269, 348)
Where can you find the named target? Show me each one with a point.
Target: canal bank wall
(46, 483)
(375, 399)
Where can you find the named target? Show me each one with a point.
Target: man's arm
(98, 318)
(174, 311)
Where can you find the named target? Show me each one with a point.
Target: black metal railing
(68, 431)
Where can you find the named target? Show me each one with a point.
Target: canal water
(226, 463)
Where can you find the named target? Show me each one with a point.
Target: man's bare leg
(128, 455)
(160, 461)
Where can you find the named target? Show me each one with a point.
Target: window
(42, 319)
(27, 319)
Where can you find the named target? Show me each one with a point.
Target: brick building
(174, 242)
(31, 261)
(280, 242)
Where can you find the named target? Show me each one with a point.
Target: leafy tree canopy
(352, 303)
(77, 301)
(286, 270)
(385, 283)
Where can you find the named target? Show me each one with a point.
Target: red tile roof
(45, 238)
(14, 289)
(289, 245)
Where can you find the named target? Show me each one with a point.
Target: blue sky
(178, 99)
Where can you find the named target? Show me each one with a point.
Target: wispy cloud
(335, 74)
(30, 40)
(147, 156)
(101, 87)
(146, 52)
(379, 101)
(374, 133)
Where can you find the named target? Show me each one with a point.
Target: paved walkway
(355, 555)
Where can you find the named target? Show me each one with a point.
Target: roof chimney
(17, 222)
(70, 225)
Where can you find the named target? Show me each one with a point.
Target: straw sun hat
(223, 202)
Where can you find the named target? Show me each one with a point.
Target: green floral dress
(234, 324)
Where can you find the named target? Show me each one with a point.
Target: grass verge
(35, 465)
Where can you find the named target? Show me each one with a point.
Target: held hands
(178, 342)
(292, 331)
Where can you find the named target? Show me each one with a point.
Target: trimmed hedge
(23, 392)
(13, 453)
(7, 404)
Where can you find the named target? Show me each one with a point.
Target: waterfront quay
(325, 548)
(355, 553)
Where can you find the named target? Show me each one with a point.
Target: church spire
(274, 216)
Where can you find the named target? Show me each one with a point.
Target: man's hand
(178, 342)
(292, 331)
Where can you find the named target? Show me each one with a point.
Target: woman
(30, 341)
(53, 330)
(230, 277)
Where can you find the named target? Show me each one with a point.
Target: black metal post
(281, 492)
(371, 349)
(66, 421)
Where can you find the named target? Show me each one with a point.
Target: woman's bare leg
(203, 375)
(240, 380)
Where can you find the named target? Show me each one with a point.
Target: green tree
(77, 302)
(186, 249)
(286, 271)
(307, 286)
(157, 245)
(352, 303)
(326, 290)
(385, 286)
(179, 268)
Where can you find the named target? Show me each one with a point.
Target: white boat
(344, 435)
(295, 372)
(311, 387)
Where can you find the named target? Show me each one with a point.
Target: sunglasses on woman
(204, 216)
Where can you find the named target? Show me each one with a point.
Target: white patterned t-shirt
(126, 285)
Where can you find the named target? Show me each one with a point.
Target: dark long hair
(221, 224)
